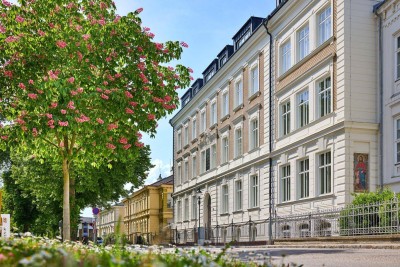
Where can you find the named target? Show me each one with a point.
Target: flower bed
(47, 252)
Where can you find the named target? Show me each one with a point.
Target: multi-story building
(388, 24)
(219, 143)
(148, 212)
(110, 219)
(315, 137)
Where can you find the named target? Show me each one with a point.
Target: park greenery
(80, 84)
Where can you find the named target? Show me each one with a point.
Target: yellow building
(108, 220)
(148, 212)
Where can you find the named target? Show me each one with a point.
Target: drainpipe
(270, 242)
(380, 74)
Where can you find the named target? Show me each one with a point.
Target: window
(238, 195)
(194, 167)
(285, 56)
(179, 211)
(254, 194)
(242, 39)
(205, 160)
(324, 22)
(186, 171)
(324, 96)
(238, 93)
(194, 207)
(203, 121)
(225, 104)
(225, 199)
(209, 75)
(179, 141)
(223, 60)
(213, 112)
(303, 42)
(213, 156)
(254, 82)
(238, 143)
(253, 134)
(398, 58)
(285, 183)
(194, 129)
(225, 149)
(285, 118)
(186, 216)
(398, 141)
(303, 108)
(179, 175)
(304, 178)
(186, 133)
(325, 173)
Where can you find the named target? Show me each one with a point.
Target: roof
(166, 180)
(377, 6)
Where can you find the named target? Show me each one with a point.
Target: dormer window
(186, 101)
(243, 38)
(223, 60)
(209, 75)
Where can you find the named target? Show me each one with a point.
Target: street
(320, 256)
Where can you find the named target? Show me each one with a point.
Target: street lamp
(198, 226)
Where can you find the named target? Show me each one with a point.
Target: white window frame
(194, 128)
(254, 79)
(203, 161)
(397, 58)
(254, 134)
(179, 174)
(186, 135)
(238, 195)
(304, 178)
(303, 42)
(254, 191)
(285, 183)
(324, 90)
(285, 117)
(213, 156)
(324, 25)
(397, 141)
(238, 142)
(303, 108)
(213, 113)
(186, 209)
(179, 211)
(194, 166)
(225, 199)
(238, 93)
(286, 56)
(203, 121)
(194, 207)
(325, 173)
(179, 140)
(186, 171)
(225, 149)
(225, 103)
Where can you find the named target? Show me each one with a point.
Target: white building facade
(110, 219)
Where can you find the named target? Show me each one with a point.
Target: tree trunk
(66, 209)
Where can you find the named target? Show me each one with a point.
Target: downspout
(380, 74)
(270, 242)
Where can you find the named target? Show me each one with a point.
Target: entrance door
(207, 216)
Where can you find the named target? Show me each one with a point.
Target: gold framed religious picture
(361, 175)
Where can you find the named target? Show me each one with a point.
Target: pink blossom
(32, 96)
(159, 46)
(2, 29)
(53, 75)
(127, 146)
(102, 22)
(191, 78)
(123, 140)
(35, 132)
(146, 29)
(107, 92)
(139, 144)
(103, 5)
(61, 144)
(50, 122)
(49, 116)
(70, 5)
(117, 19)
(19, 19)
(71, 105)
(105, 83)
(99, 90)
(139, 10)
(100, 121)
(51, 25)
(22, 86)
(4, 137)
(150, 34)
(118, 75)
(63, 111)
(110, 146)
(128, 94)
(74, 93)
(167, 98)
(133, 104)
(63, 123)
(141, 66)
(78, 28)
(61, 44)
(112, 126)
(11, 39)
(184, 44)
(6, 3)
(170, 68)
(31, 82)
(129, 111)
(104, 96)
(53, 104)
(86, 37)
(190, 70)
(41, 33)
(139, 135)
(80, 56)
(143, 77)
(79, 90)
(108, 59)
(8, 73)
(82, 119)
(151, 116)
(71, 80)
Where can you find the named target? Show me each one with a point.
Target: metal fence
(370, 219)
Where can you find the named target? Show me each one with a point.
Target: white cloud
(159, 168)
